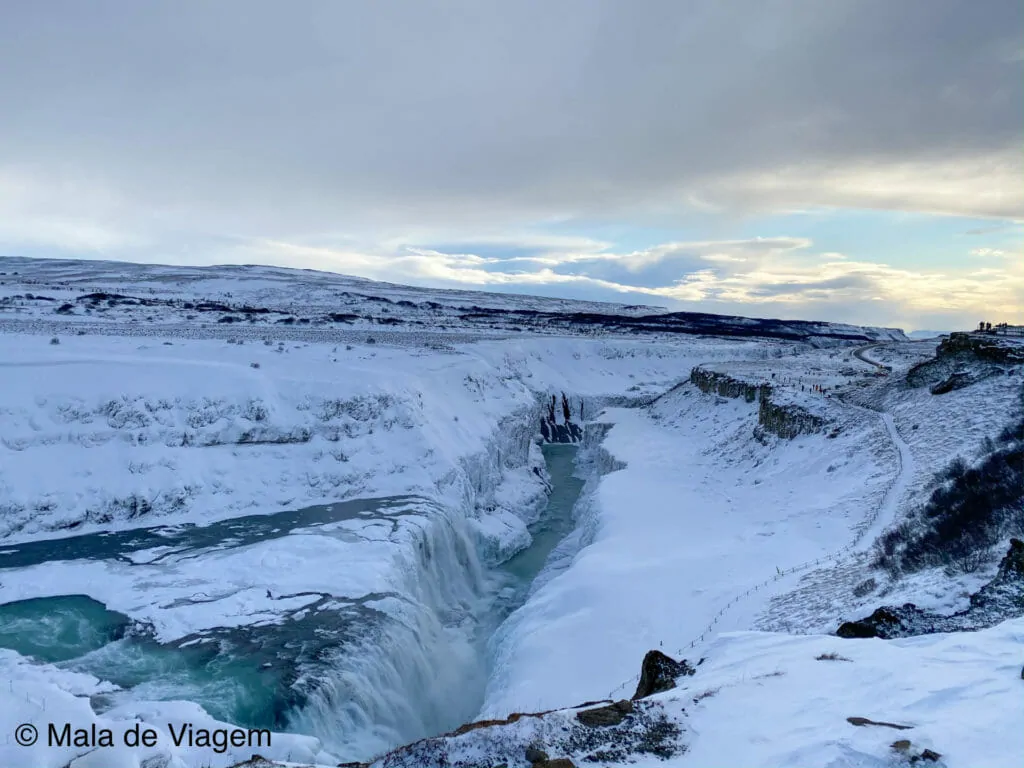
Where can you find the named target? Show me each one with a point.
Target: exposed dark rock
(722, 384)
(257, 761)
(963, 359)
(787, 421)
(601, 717)
(904, 748)
(513, 718)
(884, 622)
(536, 755)
(212, 306)
(658, 673)
(565, 431)
(862, 721)
(591, 703)
(988, 348)
(1013, 560)
(629, 730)
(101, 296)
(955, 380)
(1004, 595)
(1000, 599)
(670, 322)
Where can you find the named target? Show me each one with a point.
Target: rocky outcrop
(1000, 599)
(658, 673)
(963, 359)
(909, 753)
(860, 722)
(955, 380)
(614, 732)
(722, 384)
(889, 622)
(987, 348)
(258, 761)
(538, 758)
(1005, 593)
(602, 717)
(557, 426)
(787, 421)
(536, 755)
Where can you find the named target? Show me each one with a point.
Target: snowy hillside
(324, 508)
(96, 296)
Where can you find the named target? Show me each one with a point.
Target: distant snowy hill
(106, 292)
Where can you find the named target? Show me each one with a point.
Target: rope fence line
(34, 701)
(869, 521)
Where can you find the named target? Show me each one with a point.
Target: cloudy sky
(856, 160)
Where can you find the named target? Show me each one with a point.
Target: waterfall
(415, 671)
(417, 665)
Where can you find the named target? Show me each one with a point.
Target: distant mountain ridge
(104, 291)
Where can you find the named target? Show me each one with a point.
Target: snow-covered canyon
(356, 537)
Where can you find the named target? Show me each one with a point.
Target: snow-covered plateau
(392, 526)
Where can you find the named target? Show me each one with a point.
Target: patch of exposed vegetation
(971, 509)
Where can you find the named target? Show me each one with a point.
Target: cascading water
(428, 671)
(363, 674)
(417, 670)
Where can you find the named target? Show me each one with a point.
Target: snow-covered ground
(701, 514)
(769, 700)
(396, 466)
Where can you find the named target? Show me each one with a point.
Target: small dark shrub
(865, 588)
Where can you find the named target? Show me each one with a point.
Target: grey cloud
(671, 262)
(299, 119)
(816, 289)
